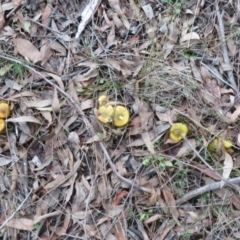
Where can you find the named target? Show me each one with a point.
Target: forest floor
(71, 168)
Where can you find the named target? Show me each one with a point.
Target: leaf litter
(166, 63)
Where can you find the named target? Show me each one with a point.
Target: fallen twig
(86, 121)
(224, 47)
(86, 15)
(204, 189)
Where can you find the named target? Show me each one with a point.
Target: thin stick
(7, 220)
(204, 189)
(86, 121)
(224, 47)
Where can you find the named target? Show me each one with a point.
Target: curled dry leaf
(27, 50)
(4, 161)
(23, 119)
(21, 224)
(46, 15)
(119, 197)
(171, 203)
(190, 36)
(227, 168)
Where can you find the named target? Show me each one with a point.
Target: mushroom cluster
(218, 143)
(118, 115)
(4, 113)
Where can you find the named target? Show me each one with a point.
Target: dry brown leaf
(205, 73)
(91, 73)
(87, 104)
(186, 148)
(236, 201)
(120, 232)
(27, 50)
(21, 224)
(147, 141)
(195, 71)
(5, 160)
(37, 103)
(147, 184)
(227, 168)
(135, 8)
(190, 36)
(238, 140)
(23, 119)
(148, 11)
(168, 47)
(231, 46)
(119, 197)
(14, 178)
(40, 218)
(153, 218)
(111, 36)
(2, 19)
(214, 88)
(226, 67)
(55, 182)
(55, 101)
(171, 203)
(46, 15)
(56, 46)
(211, 173)
(58, 80)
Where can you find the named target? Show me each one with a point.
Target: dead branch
(224, 47)
(86, 121)
(86, 15)
(204, 189)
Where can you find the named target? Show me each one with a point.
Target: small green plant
(16, 68)
(146, 216)
(186, 235)
(163, 163)
(102, 81)
(160, 161)
(188, 54)
(147, 161)
(204, 198)
(36, 226)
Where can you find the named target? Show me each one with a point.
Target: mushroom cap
(2, 125)
(4, 110)
(102, 100)
(105, 114)
(213, 145)
(178, 131)
(121, 116)
(227, 143)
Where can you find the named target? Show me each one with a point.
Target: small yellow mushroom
(105, 114)
(2, 125)
(213, 145)
(178, 131)
(4, 110)
(227, 143)
(121, 116)
(102, 100)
